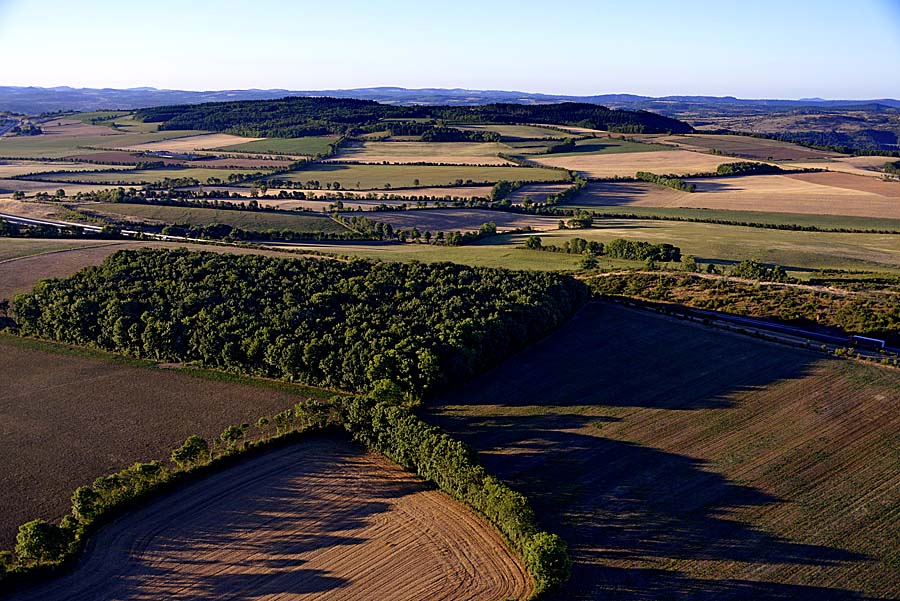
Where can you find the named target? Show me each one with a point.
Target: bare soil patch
(682, 462)
(536, 192)
(69, 418)
(321, 519)
(678, 162)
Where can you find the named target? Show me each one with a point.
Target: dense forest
(394, 329)
(293, 117)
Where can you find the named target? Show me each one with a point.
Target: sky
(760, 49)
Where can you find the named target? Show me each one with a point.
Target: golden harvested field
(67, 127)
(19, 168)
(746, 147)
(679, 162)
(32, 187)
(681, 462)
(462, 220)
(188, 143)
(459, 153)
(804, 193)
(868, 166)
(320, 520)
(33, 209)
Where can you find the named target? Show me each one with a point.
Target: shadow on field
(240, 533)
(624, 507)
(601, 358)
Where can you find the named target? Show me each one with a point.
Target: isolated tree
(589, 262)
(689, 263)
(533, 243)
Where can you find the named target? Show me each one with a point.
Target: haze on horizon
(765, 50)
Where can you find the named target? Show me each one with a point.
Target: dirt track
(318, 520)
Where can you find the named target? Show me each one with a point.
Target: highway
(8, 125)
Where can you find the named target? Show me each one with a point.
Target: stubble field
(320, 519)
(737, 469)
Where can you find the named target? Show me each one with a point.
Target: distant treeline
(294, 117)
(747, 168)
(354, 325)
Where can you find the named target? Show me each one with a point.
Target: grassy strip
(44, 549)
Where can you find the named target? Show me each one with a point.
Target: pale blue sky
(762, 48)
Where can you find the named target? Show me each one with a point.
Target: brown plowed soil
(318, 520)
(67, 418)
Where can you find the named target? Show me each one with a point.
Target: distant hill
(34, 100)
(298, 116)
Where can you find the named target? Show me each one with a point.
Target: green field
(515, 132)
(478, 254)
(16, 248)
(382, 177)
(796, 251)
(98, 115)
(248, 220)
(786, 219)
(54, 147)
(610, 146)
(308, 146)
(135, 177)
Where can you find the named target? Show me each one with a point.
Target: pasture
(320, 518)
(514, 132)
(747, 147)
(388, 177)
(70, 143)
(626, 164)
(463, 153)
(248, 220)
(610, 145)
(801, 252)
(681, 462)
(10, 169)
(806, 193)
(307, 146)
(134, 177)
(462, 220)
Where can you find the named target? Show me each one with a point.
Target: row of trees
(670, 181)
(747, 168)
(352, 325)
(381, 425)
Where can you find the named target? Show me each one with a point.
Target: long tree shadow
(241, 532)
(626, 508)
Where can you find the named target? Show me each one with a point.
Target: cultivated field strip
(737, 469)
(320, 519)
